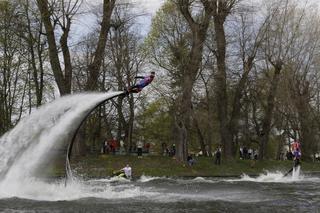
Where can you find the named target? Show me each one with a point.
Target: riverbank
(103, 165)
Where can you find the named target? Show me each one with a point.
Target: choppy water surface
(269, 192)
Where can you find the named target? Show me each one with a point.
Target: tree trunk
(236, 105)
(53, 50)
(94, 67)
(184, 112)
(182, 148)
(266, 123)
(190, 68)
(308, 132)
(200, 137)
(32, 41)
(66, 56)
(221, 87)
(307, 127)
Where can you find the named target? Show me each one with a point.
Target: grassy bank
(103, 165)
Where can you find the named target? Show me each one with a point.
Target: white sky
(150, 6)
(86, 22)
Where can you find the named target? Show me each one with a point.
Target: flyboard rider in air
(145, 81)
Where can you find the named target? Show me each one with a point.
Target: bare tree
(13, 75)
(198, 25)
(52, 14)
(36, 47)
(125, 58)
(281, 37)
(94, 67)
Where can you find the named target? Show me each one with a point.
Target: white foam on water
(296, 173)
(144, 179)
(110, 180)
(202, 180)
(36, 189)
(277, 177)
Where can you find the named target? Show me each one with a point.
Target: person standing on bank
(218, 156)
(139, 149)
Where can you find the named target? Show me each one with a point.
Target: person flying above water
(146, 80)
(295, 145)
(296, 157)
(296, 152)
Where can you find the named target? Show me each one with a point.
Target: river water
(269, 192)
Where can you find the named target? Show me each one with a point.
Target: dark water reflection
(180, 195)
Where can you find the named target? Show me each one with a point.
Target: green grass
(103, 165)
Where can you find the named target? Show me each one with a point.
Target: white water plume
(296, 173)
(26, 146)
(275, 177)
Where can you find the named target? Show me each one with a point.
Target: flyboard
(70, 145)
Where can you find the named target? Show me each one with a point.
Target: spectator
(241, 153)
(173, 150)
(164, 149)
(113, 146)
(255, 154)
(103, 148)
(139, 149)
(245, 153)
(190, 160)
(107, 146)
(218, 156)
(250, 153)
(206, 147)
(147, 147)
(121, 150)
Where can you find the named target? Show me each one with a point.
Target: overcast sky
(86, 22)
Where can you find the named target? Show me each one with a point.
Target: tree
(51, 17)
(182, 37)
(94, 67)
(36, 46)
(126, 59)
(281, 37)
(190, 66)
(13, 75)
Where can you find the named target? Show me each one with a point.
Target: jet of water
(296, 173)
(26, 146)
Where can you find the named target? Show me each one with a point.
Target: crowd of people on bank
(113, 146)
(248, 153)
(168, 150)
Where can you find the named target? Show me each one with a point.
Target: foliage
(154, 124)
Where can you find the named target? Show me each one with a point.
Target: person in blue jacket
(296, 157)
(146, 80)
